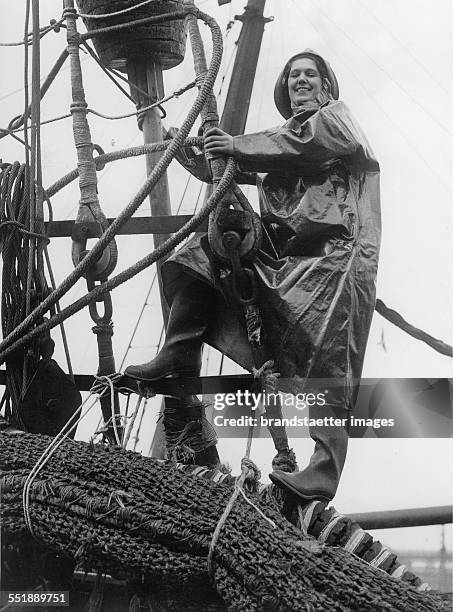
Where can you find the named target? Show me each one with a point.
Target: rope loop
(253, 473)
(267, 375)
(249, 470)
(69, 12)
(100, 151)
(76, 107)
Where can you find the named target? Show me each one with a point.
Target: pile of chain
(137, 518)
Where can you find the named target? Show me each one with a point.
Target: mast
(237, 102)
(147, 76)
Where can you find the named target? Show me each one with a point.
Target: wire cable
(405, 47)
(438, 176)
(383, 70)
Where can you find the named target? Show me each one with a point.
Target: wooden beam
(137, 225)
(170, 386)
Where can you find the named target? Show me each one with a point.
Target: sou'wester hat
(281, 95)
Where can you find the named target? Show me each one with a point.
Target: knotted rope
(249, 472)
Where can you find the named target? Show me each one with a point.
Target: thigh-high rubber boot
(319, 480)
(191, 312)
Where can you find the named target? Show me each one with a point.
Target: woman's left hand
(218, 142)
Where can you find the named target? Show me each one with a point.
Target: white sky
(393, 60)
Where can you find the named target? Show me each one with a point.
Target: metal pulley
(165, 41)
(241, 226)
(90, 225)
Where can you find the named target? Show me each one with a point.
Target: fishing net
(139, 519)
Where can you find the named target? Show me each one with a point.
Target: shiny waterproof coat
(316, 271)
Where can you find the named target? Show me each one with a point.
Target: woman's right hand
(218, 142)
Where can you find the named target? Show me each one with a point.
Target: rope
(175, 15)
(17, 122)
(114, 14)
(109, 382)
(64, 338)
(106, 158)
(395, 318)
(160, 252)
(248, 470)
(106, 71)
(152, 179)
(132, 421)
(54, 26)
(139, 426)
(15, 220)
(47, 454)
(175, 94)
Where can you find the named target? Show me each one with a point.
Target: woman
(319, 203)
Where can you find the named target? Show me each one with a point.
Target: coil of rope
(15, 218)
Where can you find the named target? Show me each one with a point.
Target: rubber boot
(319, 480)
(191, 312)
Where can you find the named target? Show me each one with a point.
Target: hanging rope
(50, 450)
(106, 158)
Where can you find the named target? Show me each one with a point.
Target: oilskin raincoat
(318, 184)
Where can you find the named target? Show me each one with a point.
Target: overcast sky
(393, 60)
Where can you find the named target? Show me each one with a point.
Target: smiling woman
(305, 83)
(318, 183)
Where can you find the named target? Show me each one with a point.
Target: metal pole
(411, 517)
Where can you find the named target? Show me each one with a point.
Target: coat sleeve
(302, 145)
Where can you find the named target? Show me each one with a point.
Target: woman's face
(304, 81)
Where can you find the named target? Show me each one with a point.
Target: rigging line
(58, 309)
(118, 74)
(175, 94)
(43, 31)
(267, 61)
(381, 108)
(226, 69)
(5, 132)
(405, 47)
(443, 128)
(134, 331)
(105, 71)
(222, 359)
(43, 78)
(139, 426)
(122, 12)
(26, 86)
(111, 71)
(198, 198)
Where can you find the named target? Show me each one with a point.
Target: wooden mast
(237, 102)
